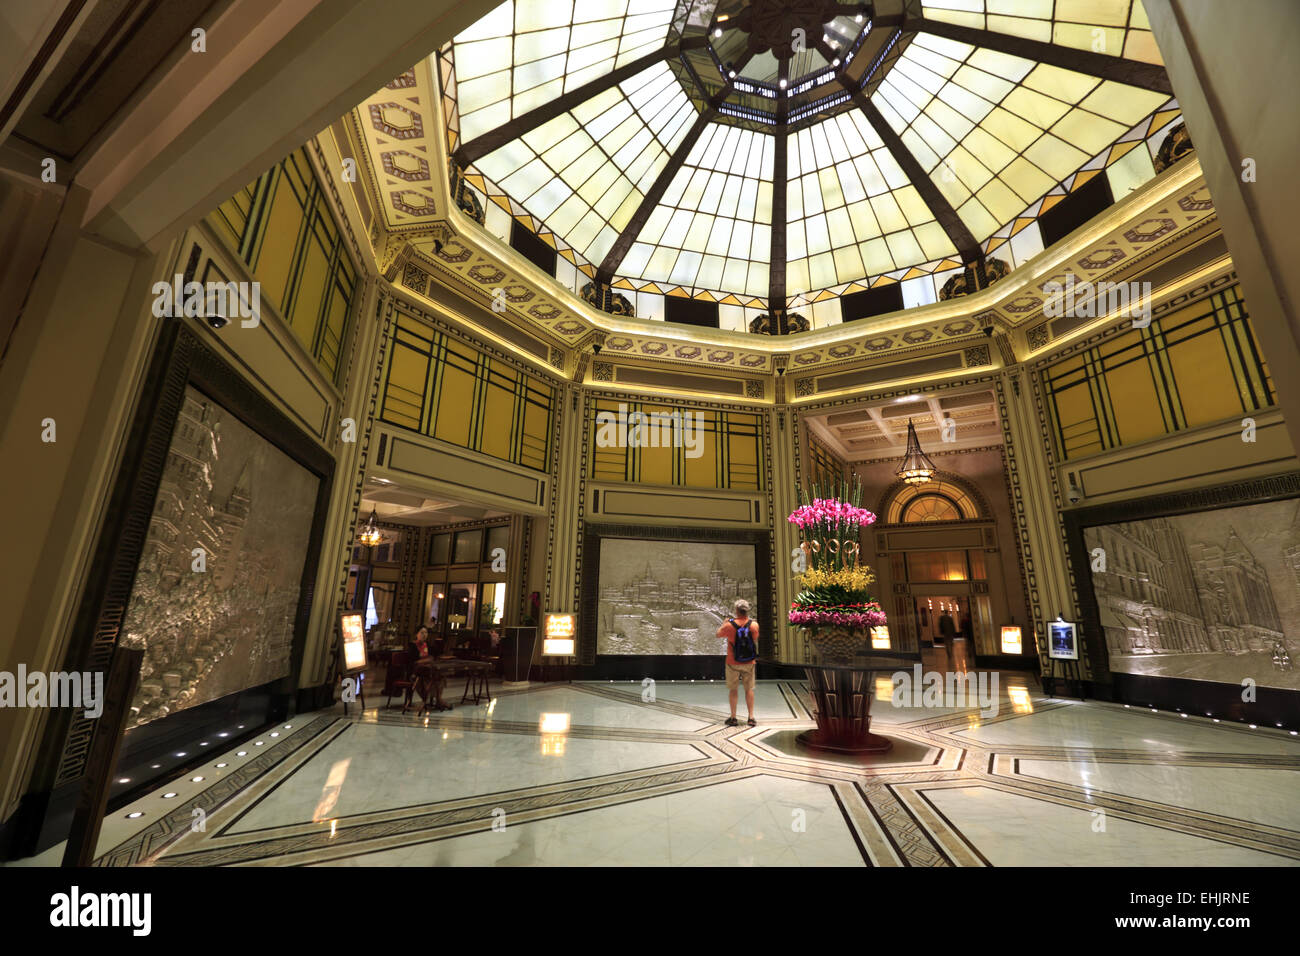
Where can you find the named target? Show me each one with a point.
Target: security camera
(215, 311)
(988, 331)
(1073, 492)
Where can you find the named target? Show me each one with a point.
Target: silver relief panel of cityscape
(669, 597)
(213, 632)
(1208, 596)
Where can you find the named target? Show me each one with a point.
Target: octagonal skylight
(688, 149)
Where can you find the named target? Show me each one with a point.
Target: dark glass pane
(469, 547)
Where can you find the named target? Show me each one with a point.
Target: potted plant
(834, 601)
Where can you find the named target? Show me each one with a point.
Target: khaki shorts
(741, 674)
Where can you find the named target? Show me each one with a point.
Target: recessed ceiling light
(169, 795)
(275, 734)
(135, 815)
(242, 753)
(220, 765)
(258, 744)
(125, 780)
(717, 31)
(196, 779)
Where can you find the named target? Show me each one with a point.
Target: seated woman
(428, 677)
(420, 645)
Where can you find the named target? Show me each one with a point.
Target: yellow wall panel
(275, 258)
(1135, 401)
(455, 399)
(498, 422)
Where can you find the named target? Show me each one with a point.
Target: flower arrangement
(834, 596)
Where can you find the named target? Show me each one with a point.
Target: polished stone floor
(593, 774)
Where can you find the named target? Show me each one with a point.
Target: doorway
(943, 619)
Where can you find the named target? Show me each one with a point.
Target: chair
(397, 679)
(478, 679)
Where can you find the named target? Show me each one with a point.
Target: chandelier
(917, 468)
(371, 535)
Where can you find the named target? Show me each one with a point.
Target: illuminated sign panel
(559, 638)
(352, 630)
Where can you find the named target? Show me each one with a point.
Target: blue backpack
(744, 650)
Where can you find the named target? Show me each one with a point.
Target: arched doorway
(940, 543)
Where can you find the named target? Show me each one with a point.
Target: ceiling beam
(882, 425)
(961, 237)
(1148, 76)
(480, 146)
(776, 260)
(608, 266)
(623, 243)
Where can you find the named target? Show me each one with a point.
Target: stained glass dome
(771, 155)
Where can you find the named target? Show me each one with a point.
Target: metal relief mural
(1208, 596)
(217, 588)
(669, 597)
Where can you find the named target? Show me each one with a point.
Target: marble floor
(595, 774)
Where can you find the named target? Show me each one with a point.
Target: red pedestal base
(842, 698)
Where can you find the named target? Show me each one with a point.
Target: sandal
(752, 722)
(732, 722)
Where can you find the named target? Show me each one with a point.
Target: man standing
(947, 629)
(741, 633)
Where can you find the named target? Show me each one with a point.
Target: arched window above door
(939, 500)
(931, 508)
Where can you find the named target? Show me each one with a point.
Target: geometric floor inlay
(596, 774)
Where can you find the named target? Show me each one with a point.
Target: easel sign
(352, 642)
(1062, 640)
(351, 655)
(559, 639)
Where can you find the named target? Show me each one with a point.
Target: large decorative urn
(834, 604)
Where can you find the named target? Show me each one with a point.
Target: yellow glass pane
(1206, 385)
(498, 421)
(275, 258)
(455, 398)
(311, 291)
(1135, 402)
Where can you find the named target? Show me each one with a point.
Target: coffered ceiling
(395, 502)
(943, 423)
